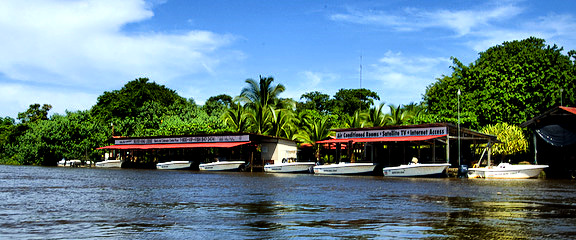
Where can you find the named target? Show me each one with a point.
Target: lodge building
(146, 152)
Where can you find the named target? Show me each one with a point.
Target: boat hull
(294, 167)
(417, 170)
(221, 166)
(69, 163)
(174, 165)
(507, 171)
(109, 164)
(345, 169)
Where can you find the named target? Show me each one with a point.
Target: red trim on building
(175, 145)
(569, 109)
(383, 139)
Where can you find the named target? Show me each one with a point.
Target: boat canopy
(176, 145)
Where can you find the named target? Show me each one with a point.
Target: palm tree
(357, 120)
(236, 118)
(398, 116)
(281, 120)
(376, 116)
(263, 93)
(417, 113)
(259, 97)
(260, 119)
(314, 131)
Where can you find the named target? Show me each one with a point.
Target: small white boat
(69, 163)
(507, 171)
(417, 170)
(345, 168)
(174, 165)
(109, 164)
(289, 167)
(221, 166)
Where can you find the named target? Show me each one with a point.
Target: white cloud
(310, 81)
(83, 43)
(404, 78)
(17, 98)
(413, 19)
(554, 28)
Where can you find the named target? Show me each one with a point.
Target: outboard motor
(463, 171)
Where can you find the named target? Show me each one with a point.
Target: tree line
(508, 83)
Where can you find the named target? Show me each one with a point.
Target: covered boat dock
(554, 141)
(146, 152)
(389, 146)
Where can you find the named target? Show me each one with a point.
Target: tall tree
(261, 93)
(356, 120)
(511, 82)
(35, 113)
(376, 116)
(127, 101)
(350, 100)
(316, 101)
(315, 130)
(259, 97)
(398, 115)
(236, 118)
(217, 105)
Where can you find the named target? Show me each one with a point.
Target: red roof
(569, 109)
(175, 145)
(383, 139)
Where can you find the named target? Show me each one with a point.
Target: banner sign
(408, 132)
(199, 139)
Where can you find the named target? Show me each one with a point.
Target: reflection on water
(64, 203)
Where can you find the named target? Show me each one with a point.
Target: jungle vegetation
(508, 84)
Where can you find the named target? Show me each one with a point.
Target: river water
(89, 203)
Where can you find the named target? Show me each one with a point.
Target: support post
(535, 149)
(448, 149)
(489, 152)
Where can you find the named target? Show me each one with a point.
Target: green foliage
(128, 101)
(316, 101)
(511, 136)
(512, 83)
(349, 101)
(398, 116)
(376, 116)
(140, 108)
(315, 128)
(35, 113)
(261, 99)
(357, 120)
(236, 118)
(217, 105)
(263, 93)
(44, 142)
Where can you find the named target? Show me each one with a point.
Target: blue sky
(68, 52)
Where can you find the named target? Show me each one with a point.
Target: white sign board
(408, 132)
(199, 139)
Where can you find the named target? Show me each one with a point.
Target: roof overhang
(559, 112)
(384, 139)
(176, 145)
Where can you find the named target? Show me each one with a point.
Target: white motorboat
(221, 166)
(506, 171)
(109, 164)
(69, 163)
(345, 168)
(174, 165)
(289, 167)
(417, 170)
